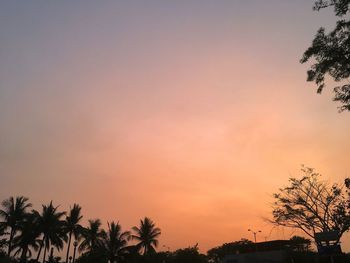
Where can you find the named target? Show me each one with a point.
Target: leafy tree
(132, 255)
(27, 238)
(115, 242)
(331, 53)
(92, 237)
(146, 235)
(13, 212)
(188, 255)
(216, 254)
(72, 226)
(312, 205)
(51, 226)
(158, 257)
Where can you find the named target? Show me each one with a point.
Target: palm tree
(13, 212)
(28, 237)
(51, 228)
(92, 236)
(72, 226)
(115, 242)
(147, 235)
(3, 240)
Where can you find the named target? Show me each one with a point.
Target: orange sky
(190, 114)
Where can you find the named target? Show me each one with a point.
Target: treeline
(28, 235)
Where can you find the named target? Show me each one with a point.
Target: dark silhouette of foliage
(13, 212)
(47, 230)
(93, 257)
(188, 255)
(3, 240)
(132, 254)
(51, 226)
(216, 254)
(92, 237)
(6, 259)
(146, 235)
(115, 242)
(72, 226)
(331, 53)
(159, 257)
(312, 205)
(27, 238)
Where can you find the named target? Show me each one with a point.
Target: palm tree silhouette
(115, 242)
(3, 240)
(147, 235)
(51, 228)
(13, 212)
(28, 237)
(92, 237)
(72, 226)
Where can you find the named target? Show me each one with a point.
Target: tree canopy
(330, 53)
(312, 205)
(146, 235)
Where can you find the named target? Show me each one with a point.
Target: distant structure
(276, 251)
(328, 243)
(285, 251)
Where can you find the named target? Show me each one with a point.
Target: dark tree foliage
(156, 257)
(312, 205)
(51, 227)
(146, 235)
(93, 257)
(92, 237)
(27, 238)
(72, 226)
(3, 240)
(115, 242)
(330, 53)
(216, 254)
(12, 213)
(188, 255)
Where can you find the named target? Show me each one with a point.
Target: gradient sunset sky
(190, 112)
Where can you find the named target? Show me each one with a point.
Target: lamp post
(254, 233)
(75, 244)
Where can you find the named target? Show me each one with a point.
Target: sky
(192, 113)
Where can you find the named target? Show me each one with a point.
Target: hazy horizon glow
(192, 113)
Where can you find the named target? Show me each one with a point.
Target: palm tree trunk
(41, 246)
(75, 249)
(70, 238)
(24, 255)
(44, 254)
(10, 242)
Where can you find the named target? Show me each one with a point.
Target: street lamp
(254, 233)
